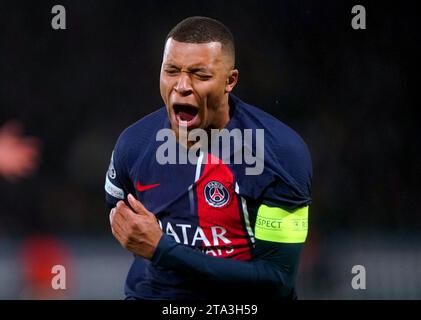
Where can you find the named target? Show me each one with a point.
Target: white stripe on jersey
(246, 213)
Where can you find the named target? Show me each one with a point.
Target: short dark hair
(203, 30)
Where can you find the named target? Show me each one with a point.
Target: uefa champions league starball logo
(111, 170)
(216, 194)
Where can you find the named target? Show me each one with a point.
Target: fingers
(117, 232)
(124, 216)
(118, 225)
(113, 224)
(137, 206)
(120, 216)
(123, 210)
(112, 213)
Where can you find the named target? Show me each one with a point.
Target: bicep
(280, 235)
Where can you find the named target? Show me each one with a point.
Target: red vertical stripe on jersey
(227, 216)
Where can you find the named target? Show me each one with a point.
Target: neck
(222, 115)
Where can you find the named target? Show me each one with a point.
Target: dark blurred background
(351, 94)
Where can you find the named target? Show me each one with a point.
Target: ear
(232, 80)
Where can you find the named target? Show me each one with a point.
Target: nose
(183, 85)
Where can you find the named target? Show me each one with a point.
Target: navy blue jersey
(210, 205)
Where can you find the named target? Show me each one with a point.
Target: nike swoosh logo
(142, 188)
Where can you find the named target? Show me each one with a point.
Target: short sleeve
(117, 181)
(291, 170)
(286, 177)
(113, 187)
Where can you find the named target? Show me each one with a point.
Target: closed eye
(171, 71)
(202, 76)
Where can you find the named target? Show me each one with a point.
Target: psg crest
(216, 194)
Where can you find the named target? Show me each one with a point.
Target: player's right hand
(136, 228)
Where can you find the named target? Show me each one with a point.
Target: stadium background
(349, 93)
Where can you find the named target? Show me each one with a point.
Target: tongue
(185, 116)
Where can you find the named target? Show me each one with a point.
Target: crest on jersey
(216, 194)
(111, 170)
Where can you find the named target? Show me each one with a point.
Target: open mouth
(185, 112)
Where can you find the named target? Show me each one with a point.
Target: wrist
(165, 244)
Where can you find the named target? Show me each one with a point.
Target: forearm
(269, 271)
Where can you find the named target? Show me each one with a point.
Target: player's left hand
(136, 228)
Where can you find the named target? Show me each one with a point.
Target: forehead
(187, 54)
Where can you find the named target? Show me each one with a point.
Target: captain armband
(279, 225)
